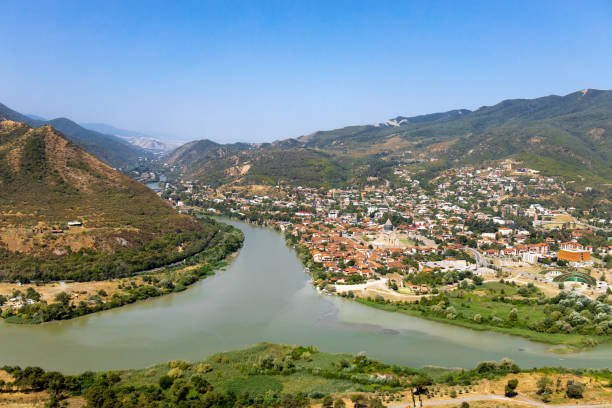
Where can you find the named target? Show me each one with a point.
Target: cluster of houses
(344, 228)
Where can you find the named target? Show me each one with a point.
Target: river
(154, 185)
(263, 295)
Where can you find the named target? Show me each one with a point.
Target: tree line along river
(263, 295)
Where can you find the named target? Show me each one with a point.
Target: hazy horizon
(236, 71)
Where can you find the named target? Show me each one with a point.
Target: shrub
(203, 368)
(175, 373)
(165, 382)
(574, 389)
(510, 388)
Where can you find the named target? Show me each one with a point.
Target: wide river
(263, 295)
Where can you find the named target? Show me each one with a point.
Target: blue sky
(262, 71)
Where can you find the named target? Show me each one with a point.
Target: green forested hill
(114, 151)
(47, 181)
(568, 136)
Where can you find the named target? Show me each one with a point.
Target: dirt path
(518, 399)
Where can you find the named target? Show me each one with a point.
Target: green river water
(263, 295)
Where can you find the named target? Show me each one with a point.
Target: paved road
(519, 399)
(480, 261)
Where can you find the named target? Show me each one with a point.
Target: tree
(179, 390)
(513, 316)
(510, 389)
(339, 403)
(200, 384)
(165, 382)
(359, 401)
(98, 396)
(328, 401)
(545, 388)
(63, 298)
(31, 293)
(574, 389)
(544, 384)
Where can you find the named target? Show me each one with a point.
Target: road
(519, 399)
(480, 261)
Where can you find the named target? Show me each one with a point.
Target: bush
(165, 382)
(574, 389)
(203, 368)
(510, 388)
(175, 373)
(339, 403)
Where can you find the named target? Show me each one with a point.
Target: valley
(387, 240)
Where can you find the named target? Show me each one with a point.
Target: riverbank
(62, 300)
(272, 375)
(564, 343)
(481, 308)
(263, 295)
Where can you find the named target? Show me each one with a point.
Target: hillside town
(492, 223)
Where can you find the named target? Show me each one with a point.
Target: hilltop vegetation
(568, 136)
(46, 181)
(271, 375)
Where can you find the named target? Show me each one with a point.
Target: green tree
(359, 401)
(574, 389)
(510, 388)
(31, 293)
(165, 382)
(63, 298)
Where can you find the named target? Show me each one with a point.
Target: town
(472, 221)
(482, 234)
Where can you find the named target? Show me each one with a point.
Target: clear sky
(262, 71)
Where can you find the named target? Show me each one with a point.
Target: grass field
(481, 301)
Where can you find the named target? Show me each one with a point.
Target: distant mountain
(135, 138)
(35, 117)
(569, 136)
(113, 150)
(47, 181)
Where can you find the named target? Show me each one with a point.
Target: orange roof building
(574, 256)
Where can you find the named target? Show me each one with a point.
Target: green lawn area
(408, 242)
(482, 301)
(406, 291)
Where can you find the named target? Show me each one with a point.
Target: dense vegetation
(269, 375)
(568, 318)
(224, 241)
(91, 264)
(568, 136)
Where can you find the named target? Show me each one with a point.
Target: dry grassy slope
(46, 181)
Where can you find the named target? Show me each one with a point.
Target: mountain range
(568, 136)
(139, 139)
(111, 149)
